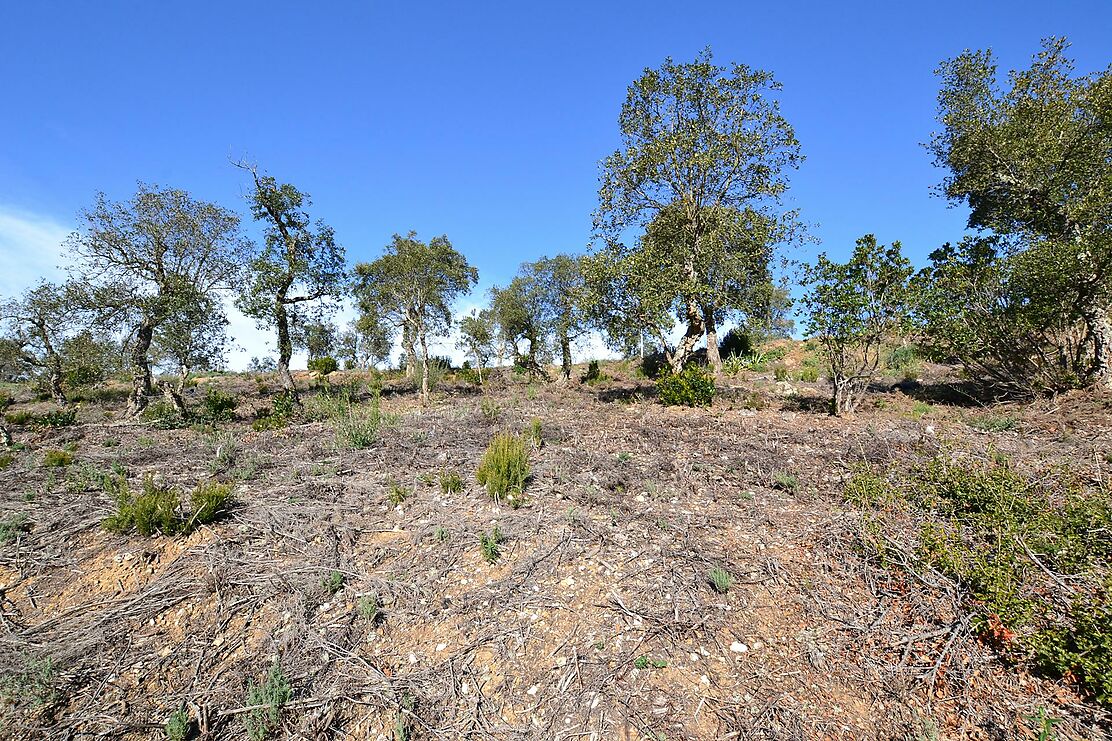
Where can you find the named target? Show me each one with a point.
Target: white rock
(738, 647)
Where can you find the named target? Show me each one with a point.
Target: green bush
(489, 545)
(323, 366)
(358, 427)
(217, 406)
(735, 343)
(12, 526)
(504, 469)
(57, 458)
(809, 374)
(178, 726)
(450, 483)
(266, 701)
(995, 534)
(780, 372)
(162, 415)
(51, 418)
(693, 387)
(209, 500)
(720, 579)
(156, 509)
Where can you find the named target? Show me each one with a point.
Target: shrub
(489, 545)
(785, 482)
(51, 418)
(594, 374)
(451, 483)
(398, 494)
(367, 606)
(693, 387)
(780, 372)
(154, 510)
(217, 406)
(992, 423)
(6, 459)
(867, 489)
(332, 583)
(720, 579)
(57, 458)
(809, 373)
(266, 700)
(533, 432)
(162, 415)
(504, 469)
(358, 427)
(208, 501)
(12, 526)
(323, 366)
(178, 726)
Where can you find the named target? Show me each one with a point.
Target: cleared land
(598, 617)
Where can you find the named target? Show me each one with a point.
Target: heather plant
(504, 469)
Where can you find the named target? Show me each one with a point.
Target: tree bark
(565, 357)
(410, 352)
(424, 365)
(690, 338)
(174, 397)
(5, 435)
(141, 369)
(56, 390)
(713, 357)
(285, 350)
(1099, 322)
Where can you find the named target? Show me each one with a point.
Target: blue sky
(483, 121)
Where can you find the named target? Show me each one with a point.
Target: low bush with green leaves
(720, 580)
(57, 458)
(178, 726)
(450, 483)
(358, 427)
(997, 535)
(50, 418)
(266, 701)
(692, 387)
(504, 469)
(163, 415)
(12, 526)
(323, 366)
(157, 508)
(217, 406)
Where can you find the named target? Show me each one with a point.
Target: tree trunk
(479, 368)
(565, 357)
(1099, 323)
(690, 338)
(410, 352)
(174, 397)
(713, 357)
(5, 435)
(424, 365)
(141, 369)
(837, 407)
(285, 351)
(56, 391)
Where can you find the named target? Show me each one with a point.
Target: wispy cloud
(30, 249)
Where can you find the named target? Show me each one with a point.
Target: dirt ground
(597, 621)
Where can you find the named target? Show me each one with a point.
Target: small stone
(738, 647)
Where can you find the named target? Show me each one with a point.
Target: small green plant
(489, 545)
(57, 458)
(533, 433)
(178, 726)
(6, 459)
(266, 701)
(490, 409)
(208, 501)
(992, 423)
(625, 457)
(720, 579)
(921, 409)
(781, 373)
(359, 427)
(593, 374)
(33, 683)
(398, 494)
(785, 482)
(12, 526)
(809, 374)
(641, 662)
(332, 583)
(450, 483)
(441, 534)
(163, 415)
(225, 452)
(367, 607)
(50, 418)
(504, 469)
(1043, 724)
(865, 488)
(692, 387)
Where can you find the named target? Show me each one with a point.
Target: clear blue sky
(484, 121)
